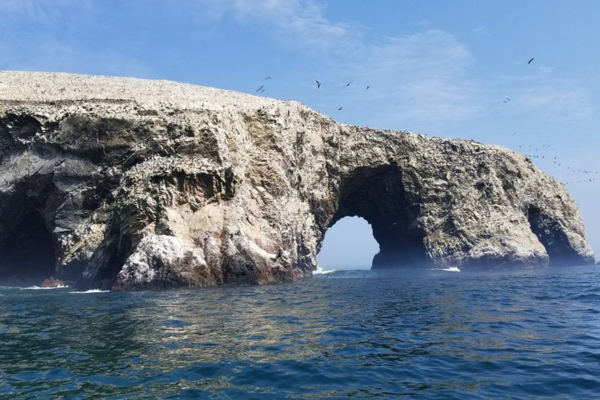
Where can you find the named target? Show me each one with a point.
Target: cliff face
(133, 184)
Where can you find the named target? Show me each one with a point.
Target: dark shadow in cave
(119, 252)
(27, 252)
(379, 196)
(553, 239)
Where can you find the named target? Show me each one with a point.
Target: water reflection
(256, 324)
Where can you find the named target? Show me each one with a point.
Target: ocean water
(345, 334)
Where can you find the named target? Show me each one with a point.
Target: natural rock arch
(153, 184)
(379, 196)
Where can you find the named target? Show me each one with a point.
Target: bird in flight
(318, 84)
(368, 87)
(530, 61)
(260, 88)
(348, 84)
(340, 109)
(268, 77)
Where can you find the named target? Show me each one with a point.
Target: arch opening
(388, 199)
(348, 244)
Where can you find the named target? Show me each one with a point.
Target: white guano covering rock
(142, 184)
(165, 259)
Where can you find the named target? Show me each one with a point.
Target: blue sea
(348, 334)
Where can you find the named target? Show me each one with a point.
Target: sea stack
(136, 184)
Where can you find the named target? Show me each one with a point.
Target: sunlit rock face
(134, 184)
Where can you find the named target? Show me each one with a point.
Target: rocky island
(134, 184)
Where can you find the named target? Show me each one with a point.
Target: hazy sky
(438, 67)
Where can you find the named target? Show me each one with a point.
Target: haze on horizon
(454, 69)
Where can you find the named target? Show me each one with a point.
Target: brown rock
(52, 283)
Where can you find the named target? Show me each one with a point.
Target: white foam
(92, 291)
(451, 269)
(321, 271)
(34, 287)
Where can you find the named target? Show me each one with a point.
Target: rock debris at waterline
(133, 184)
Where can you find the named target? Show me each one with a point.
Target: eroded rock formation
(52, 282)
(132, 184)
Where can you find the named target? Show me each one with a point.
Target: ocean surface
(346, 334)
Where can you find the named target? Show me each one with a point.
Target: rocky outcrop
(135, 184)
(52, 282)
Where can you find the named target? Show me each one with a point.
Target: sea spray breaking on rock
(133, 184)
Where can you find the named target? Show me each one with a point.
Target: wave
(451, 269)
(92, 291)
(34, 287)
(321, 271)
(448, 269)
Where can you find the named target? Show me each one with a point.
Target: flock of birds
(556, 161)
(262, 89)
(583, 175)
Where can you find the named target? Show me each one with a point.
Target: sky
(456, 69)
